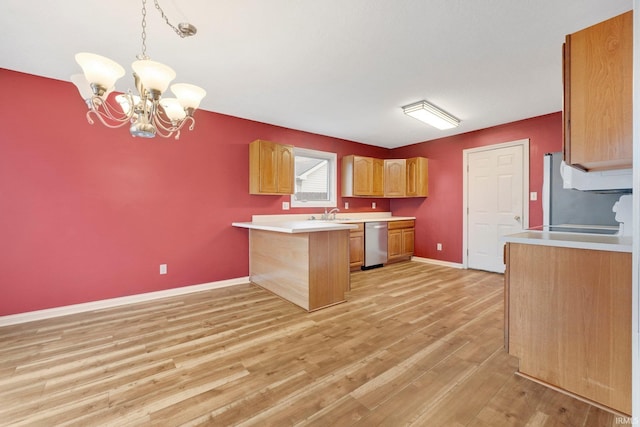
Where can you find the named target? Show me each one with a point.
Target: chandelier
(147, 112)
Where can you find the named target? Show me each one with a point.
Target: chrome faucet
(327, 215)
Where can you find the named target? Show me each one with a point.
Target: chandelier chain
(143, 55)
(183, 30)
(166, 20)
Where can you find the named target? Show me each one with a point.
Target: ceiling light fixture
(431, 115)
(148, 113)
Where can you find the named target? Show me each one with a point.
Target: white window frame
(332, 172)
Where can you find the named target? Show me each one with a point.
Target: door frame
(465, 188)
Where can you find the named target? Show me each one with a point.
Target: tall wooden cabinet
(362, 176)
(271, 168)
(598, 95)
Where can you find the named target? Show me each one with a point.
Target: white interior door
(495, 203)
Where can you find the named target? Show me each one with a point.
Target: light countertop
(385, 219)
(303, 223)
(572, 240)
(295, 226)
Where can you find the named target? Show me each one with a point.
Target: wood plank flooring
(416, 344)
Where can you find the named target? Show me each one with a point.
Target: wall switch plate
(285, 206)
(346, 205)
(373, 205)
(163, 268)
(439, 246)
(533, 196)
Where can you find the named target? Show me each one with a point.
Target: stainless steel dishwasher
(375, 244)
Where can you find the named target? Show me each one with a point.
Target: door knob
(517, 217)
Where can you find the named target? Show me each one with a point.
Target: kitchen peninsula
(304, 262)
(568, 313)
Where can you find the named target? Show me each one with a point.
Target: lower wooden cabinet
(568, 320)
(401, 236)
(356, 247)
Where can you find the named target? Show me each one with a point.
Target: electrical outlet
(163, 268)
(285, 206)
(533, 196)
(373, 205)
(346, 205)
(439, 246)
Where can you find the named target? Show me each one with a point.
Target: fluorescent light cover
(431, 115)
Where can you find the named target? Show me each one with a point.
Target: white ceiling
(341, 68)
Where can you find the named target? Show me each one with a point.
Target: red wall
(89, 213)
(439, 217)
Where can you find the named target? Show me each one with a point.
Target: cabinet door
(417, 177)
(377, 182)
(408, 236)
(598, 95)
(394, 244)
(395, 178)
(285, 169)
(271, 168)
(268, 167)
(356, 249)
(362, 176)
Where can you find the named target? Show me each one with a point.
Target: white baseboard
(49, 313)
(437, 262)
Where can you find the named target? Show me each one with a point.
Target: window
(315, 179)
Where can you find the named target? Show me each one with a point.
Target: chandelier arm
(89, 119)
(161, 122)
(101, 118)
(163, 135)
(163, 131)
(193, 122)
(104, 113)
(164, 127)
(169, 128)
(110, 111)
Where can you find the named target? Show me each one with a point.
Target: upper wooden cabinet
(362, 176)
(417, 177)
(395, 178)
(370, 177)
(271, 168)
(598, 95)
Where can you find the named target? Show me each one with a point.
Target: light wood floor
(415, 344)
